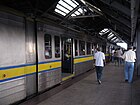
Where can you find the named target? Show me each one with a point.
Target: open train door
(67, 57)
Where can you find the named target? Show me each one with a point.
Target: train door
(67, 57)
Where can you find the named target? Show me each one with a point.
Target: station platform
(86, 91)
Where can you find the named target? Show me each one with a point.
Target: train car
(37, 55)
(65, 53)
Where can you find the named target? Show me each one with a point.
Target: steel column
(138, 50)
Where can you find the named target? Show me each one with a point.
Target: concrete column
(138, 50)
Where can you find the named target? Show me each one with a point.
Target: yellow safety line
(68, 77)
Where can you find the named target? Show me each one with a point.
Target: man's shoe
(99, 81)
(126, 80)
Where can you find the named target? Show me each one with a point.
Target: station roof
(112, 20)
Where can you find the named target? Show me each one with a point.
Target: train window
(48, 46)
(81, 47)
(57, 46)
(76, 50)
(88, 48)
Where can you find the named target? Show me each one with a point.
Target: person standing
(112, 55)
(99, 58)
(119, 54)
(115, 57)
(129, 57)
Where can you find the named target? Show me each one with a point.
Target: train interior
(67, 57)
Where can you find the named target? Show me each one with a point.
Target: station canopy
(111, 20)
(111, 36)
(67, 7)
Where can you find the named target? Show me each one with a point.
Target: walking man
(99, 63)
(129, 57)
(119, 54)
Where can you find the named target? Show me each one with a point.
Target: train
(37, 55)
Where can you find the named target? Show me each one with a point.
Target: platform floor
(112, 91)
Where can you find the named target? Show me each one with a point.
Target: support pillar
(138, 50)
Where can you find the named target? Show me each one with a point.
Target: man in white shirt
(129, 58)
(99, 63)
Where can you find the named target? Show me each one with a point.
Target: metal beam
(122, 32)
(70, 13)
(138, 50)
(12, 11)
(85, 16)
(94, 9)
(123, 36)
(122, 21)
(134, 16)
(118, 7)
(112, 14)
(122, 28)
(52, 6)
(119, 18)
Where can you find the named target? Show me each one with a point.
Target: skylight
(80, 10)
(62, 8)
(113, 38)
(123, 45)
(72, 3)
(116, 40)
(65, 6)
(73, 15)
(75, 2)
(104, 31)
(60, 12)
(110, 35)
(77, 13)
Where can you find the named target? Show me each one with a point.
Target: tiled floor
(112, 91)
